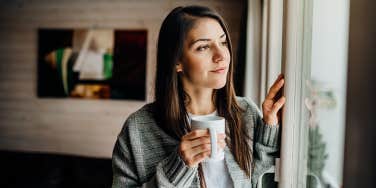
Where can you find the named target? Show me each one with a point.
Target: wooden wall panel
(72, 126)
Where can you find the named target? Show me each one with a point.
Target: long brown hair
(170, 98)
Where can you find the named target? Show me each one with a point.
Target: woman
(156, 147)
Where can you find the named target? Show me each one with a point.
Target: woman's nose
(219, 53)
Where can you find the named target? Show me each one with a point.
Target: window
(315, 67)
(306, 41)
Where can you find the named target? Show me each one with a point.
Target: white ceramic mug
(216, 125)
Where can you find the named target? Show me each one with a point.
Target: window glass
(326, 93)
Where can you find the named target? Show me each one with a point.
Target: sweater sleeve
(266, 144)
(170, 172)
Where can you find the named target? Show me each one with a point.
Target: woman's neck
(201, 102)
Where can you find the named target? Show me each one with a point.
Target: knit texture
(145, 156)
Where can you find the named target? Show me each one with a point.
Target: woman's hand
(195, 146)
(273, 103)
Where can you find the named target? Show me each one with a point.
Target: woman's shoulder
(247, 104)
(142, 126)
(143, 115)
(142, 118)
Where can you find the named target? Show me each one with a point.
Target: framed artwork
(92, 63)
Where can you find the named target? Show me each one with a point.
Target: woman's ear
(179, 67)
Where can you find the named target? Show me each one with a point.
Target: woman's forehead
(205, 28)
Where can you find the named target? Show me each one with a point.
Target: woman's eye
(224, 43)
(202, 48)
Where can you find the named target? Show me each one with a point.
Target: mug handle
(213, 140)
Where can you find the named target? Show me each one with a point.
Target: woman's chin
(219, 85)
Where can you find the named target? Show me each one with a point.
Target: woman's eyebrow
(204, 39)
(198, 40)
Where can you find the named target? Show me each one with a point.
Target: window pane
(327, 92)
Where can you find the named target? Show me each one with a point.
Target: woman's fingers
(193, 148)
(196, 133)
(199, 158)
(192, 156)
(203, 154)
(199, 141)
(221, 145)
(205, 140)
(278, 84)
(273, 102)
(278, 105)
(199, 149)
(207, 147)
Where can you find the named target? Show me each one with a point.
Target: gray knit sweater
(145, 156)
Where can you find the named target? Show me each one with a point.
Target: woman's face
(206, 57)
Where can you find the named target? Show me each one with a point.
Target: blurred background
(73, 70)
(71, 73)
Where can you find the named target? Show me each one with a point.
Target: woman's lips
(219, 70)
